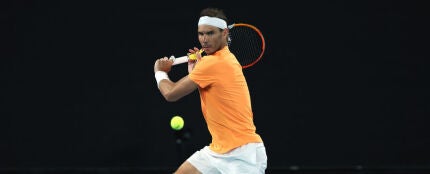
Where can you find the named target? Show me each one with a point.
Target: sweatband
(214, 21)
(160, 75)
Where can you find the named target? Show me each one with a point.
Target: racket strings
(246, 44)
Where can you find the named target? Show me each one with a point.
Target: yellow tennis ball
(177, 123)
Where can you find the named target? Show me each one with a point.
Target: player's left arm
(173, 91)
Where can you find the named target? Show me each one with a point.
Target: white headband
(214, 21)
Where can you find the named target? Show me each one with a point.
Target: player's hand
(192, 63)
(163, 64)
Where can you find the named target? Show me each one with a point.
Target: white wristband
(160, 75)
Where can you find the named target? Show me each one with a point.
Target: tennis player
(225, 103)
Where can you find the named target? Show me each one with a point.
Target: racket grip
(184, 59)
(180, 60)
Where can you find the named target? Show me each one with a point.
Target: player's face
(211, 38)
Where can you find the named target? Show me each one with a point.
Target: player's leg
(187, 168)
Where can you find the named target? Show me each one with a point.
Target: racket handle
(179, 60)
(184, 59)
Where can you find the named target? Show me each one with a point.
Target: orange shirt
(225, 101)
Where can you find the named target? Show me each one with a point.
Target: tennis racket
(245, 41)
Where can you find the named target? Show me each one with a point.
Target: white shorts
(250, 159)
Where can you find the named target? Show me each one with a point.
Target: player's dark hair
(214, 12)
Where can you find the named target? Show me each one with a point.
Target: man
(225, 102)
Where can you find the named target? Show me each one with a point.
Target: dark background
(342, 84)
